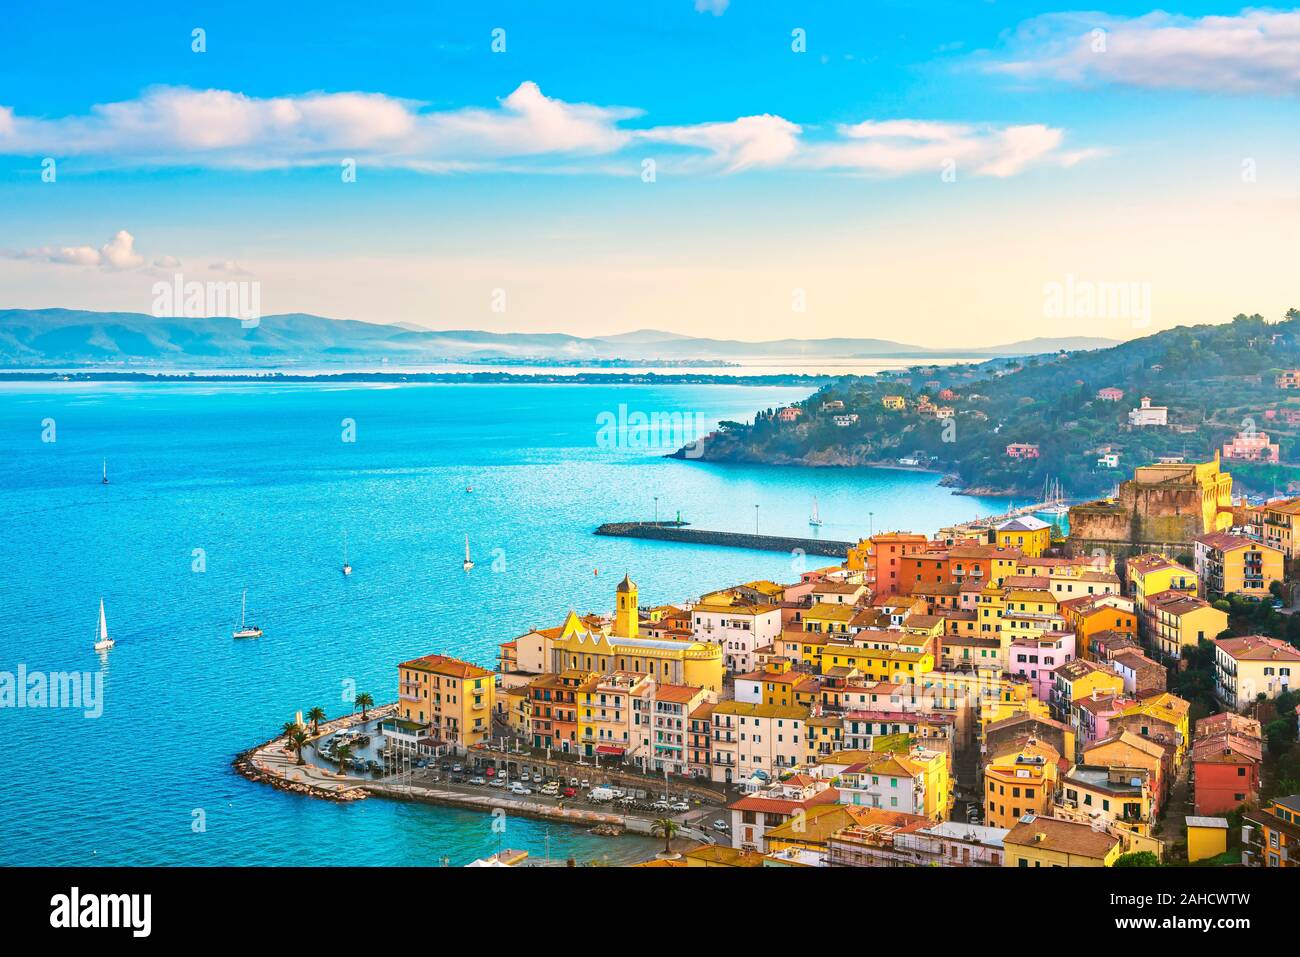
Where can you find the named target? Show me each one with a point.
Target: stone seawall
(674, 532)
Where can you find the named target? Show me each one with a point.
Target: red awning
(608, 749)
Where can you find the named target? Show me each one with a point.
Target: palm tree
(299, 741)
(288, 728)
(316, 716)
(342, 753)
(363, 701)
(668, 828)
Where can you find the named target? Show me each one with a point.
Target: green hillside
(1215, 380)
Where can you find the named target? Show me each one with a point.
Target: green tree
(363, 701)
(668, 828)
(1137, 859)
(316, 716)
(342, 754)
(298, 742)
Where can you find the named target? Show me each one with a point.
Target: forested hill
(1216, 381)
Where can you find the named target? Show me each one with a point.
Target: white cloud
(715, 7)
(1256, 51)
(901, 147)
(118, 253)
(527, 131)
(745, 143)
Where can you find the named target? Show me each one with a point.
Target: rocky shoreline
(246, 767)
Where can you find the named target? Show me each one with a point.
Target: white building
(1148, 414)
(739, 627)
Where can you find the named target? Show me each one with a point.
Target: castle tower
(626, 618)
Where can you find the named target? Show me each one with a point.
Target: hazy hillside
(70, 337)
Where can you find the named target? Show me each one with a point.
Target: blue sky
(930, 166)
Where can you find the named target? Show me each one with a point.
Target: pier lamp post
(871, 524)
(755, 519)
(656, 509)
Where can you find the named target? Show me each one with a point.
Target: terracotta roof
(444, 665)
(1067, 837)
(1258, 648)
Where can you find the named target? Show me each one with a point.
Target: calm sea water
(261, 479)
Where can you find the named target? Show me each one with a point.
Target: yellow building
(1150, 574)
(1229, 564)
(1175, 620)
(878, 664)
(828, 618)
(894, 402)
(1041, 841)
(607, 711)
(1274, 839)
(1018, 782)
(1280, 522)
(1206, 837)
(581, 645)
(444, 699)
(1031, 535)
(1171, 709)
(1252, 665)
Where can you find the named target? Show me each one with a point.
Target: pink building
(1022, 450)
(1250, 446)
(1037, 658)
(1110, 394)
(1095, 713)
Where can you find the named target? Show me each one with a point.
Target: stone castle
(1162, 506)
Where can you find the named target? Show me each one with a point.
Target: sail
(467, 547)
(103, 622)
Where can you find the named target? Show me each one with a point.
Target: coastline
(272, 763)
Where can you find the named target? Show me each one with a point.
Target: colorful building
(1031, 535)
(443, 700)
(1235, 564)
(1019, 782)
(1253, 665)
(1271, 835)
(1041, 841)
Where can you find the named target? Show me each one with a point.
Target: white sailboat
(104, 480)
(245, 630)
(347, 569)
(1052, 493)
(104, 642)
(814, 519)
(468, 563)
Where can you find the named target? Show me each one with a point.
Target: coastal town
(984, 695)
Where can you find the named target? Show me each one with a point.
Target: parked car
(570, 792)
(490, 772)
(584, 783)
(456, 767)
(537, 778)
(478, 780)
(550, 790)
(721, 825)
(497, 783)
(681, 806)
(518, 788)
(573, 782)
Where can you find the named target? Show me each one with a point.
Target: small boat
(469, 488)
(814, 519)
(104, 642)
(104, 480)
(245, 630)
(347, 569)
(468, 563)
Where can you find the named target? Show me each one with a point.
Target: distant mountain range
(71, 337)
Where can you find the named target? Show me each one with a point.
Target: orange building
(1090, 615)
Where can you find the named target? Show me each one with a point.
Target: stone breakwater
(247, 766)
(273, 763)
(672, 532)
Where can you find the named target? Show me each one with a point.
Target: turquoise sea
(261, 479)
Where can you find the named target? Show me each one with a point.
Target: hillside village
(1083, 418)
(972, 697)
